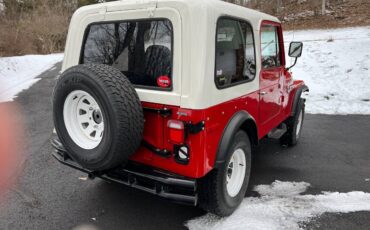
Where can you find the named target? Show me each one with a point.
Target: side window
(270, 47)
(235, 53)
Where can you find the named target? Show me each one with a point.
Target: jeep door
(272, 69)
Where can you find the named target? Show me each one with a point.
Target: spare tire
(97, 115)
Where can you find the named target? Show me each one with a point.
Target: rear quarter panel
(203, 145)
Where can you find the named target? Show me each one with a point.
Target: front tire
(294, 125)
(223, 189)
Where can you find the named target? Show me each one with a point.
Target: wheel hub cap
(98, 118)
(83, 119)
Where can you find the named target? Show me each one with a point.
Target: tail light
(176, 131)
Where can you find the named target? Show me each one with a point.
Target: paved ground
(333, 155)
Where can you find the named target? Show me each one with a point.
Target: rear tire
(223, 189)
(98, 116)
(294, 125)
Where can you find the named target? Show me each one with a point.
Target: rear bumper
(167, 185)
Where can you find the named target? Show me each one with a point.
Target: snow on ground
(19, 73)
(335, 64)
(281, 206)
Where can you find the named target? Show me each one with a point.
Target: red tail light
(177, 134)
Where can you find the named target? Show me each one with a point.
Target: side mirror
(295, 51)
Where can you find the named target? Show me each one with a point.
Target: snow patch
(281, 206)
(19, 73)
(282, 189)
(335, 65)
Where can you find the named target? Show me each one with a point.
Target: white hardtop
(217, 5)
(194, 26)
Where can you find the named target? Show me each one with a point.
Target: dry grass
(306, 14)
(42, 30)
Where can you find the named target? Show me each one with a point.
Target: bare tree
(319, 7)
(279, 5)
(323, 7)
(2, 7)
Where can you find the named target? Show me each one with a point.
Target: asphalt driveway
(333, 155)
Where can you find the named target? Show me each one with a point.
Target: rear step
(170, 186)
(277, 132)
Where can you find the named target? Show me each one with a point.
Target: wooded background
(40, 26)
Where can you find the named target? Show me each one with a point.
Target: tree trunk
(279, 4)
(323, 7)
(2, 7)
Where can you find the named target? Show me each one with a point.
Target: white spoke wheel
(235, 172)
(299, 123)
(83, 119)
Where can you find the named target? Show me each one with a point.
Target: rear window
(142, 50)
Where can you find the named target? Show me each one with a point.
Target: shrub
(35, 26)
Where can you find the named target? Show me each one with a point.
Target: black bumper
(170, 186)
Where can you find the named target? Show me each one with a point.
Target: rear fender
(240, 121)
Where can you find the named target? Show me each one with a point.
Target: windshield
(142, 50)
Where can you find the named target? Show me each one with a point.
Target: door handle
(263, 93)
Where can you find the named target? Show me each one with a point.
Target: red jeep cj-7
(169, 96)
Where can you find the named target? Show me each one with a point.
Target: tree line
(40, 26)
